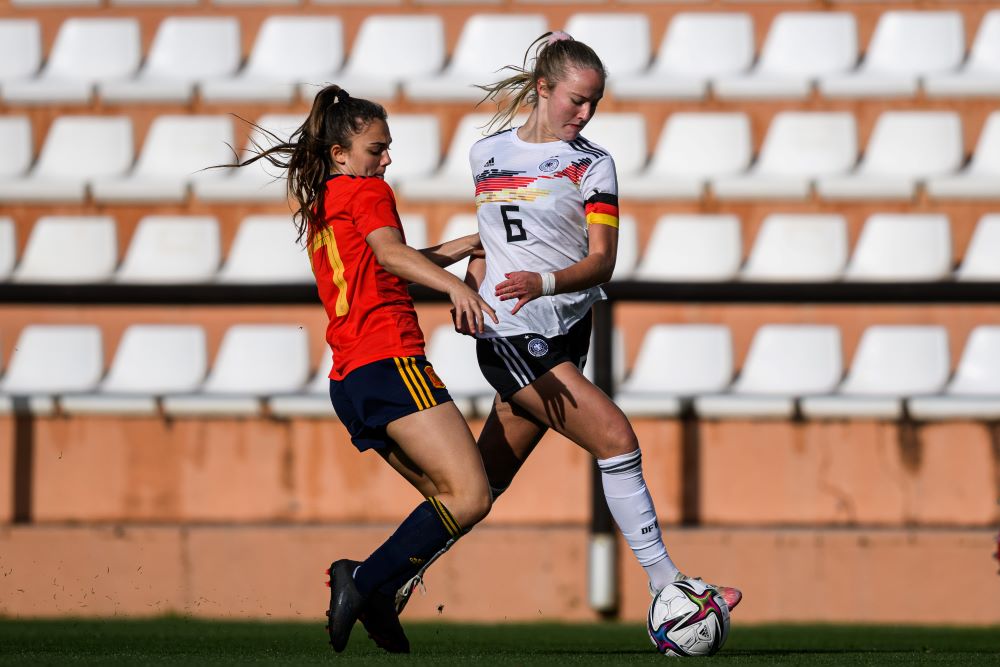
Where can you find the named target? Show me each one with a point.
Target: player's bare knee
(619, 439)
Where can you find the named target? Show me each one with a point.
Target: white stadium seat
(892, 362)
(86, 51)
(254, 361)
(288, 51)
(799, 148)
(33, 4)
(254, 3)
(416, 147)
(487, 43)
(974, 391)
(312, 401)
(628, 32)
(151, 360)
(618, 369)
(458, 225)
(980, 179)
(798, 247)
(899, 247)
(15, 146)
(260, 181)
(980, 75)
(692, 248)
(906, 45)
(800, 47)
(8, 247)
(49, 360)
(692, 149)
(454, 358)
(414, 230)
(980, 260)
(785, 362)
(376, 72)
(76, 150)
(623, 135)
(906, 147)
(20, 50)
(453, 180)
(177, 150)
(152, 3)
(184, 50)
(170, 249)
(265, 252)
(675, 363)
(696, 47)
(69, 250)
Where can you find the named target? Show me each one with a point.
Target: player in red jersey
(382, 387)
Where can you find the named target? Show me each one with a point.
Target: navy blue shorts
(372, 396)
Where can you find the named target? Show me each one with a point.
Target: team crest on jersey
(538, 347)
(549, 165)
(433, 377)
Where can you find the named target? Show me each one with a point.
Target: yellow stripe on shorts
(422, 382)
(406, 381)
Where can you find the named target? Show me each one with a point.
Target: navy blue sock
(421, 535)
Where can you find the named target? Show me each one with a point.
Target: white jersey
(534, 202)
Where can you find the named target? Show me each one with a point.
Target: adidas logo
(489, 163)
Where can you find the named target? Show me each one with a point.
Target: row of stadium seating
(802, 151)
(788, 368)
(893, 247)
(700, 52)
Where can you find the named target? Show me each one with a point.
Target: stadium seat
(8, 248)
(692, 148)
(69, 250)
(623, 135)
(906, 45)
(452, 181)
(800, 47)
(628, 32)
(312, 401)
(618, 369)
(980, 259)
(980, 74)
(454, 358)
(799, 148)
(980, 179)
(628, 247)
(265, 252)
(675, 363)
(15, 146)
(40, 4)
(170, 249)
(376, 72)
(177, 150)
(20, 50)
(692, 248)
(256, 3)
(487, 43)
(905, 147)
(892, 362)
(86, 51)
(150, 3)
(151, 360)
(458, 225)
(798, 247)
(184, 50)
(785, 361)
(696, 47)
(254, 361)
(288, 50)
(414, 229)
(76, 150)
(260, 181)
(899, 247)
(49, 360)
(974, 391)
(416, 147)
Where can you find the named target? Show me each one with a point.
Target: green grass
(186, 641)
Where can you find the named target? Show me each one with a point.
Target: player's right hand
(469, 310)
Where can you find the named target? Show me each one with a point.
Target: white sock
(633, 511)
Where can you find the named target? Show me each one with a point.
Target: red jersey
(371, 312)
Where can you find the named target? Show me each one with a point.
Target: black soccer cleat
(346, 603)
(382, 623)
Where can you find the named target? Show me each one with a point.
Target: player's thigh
(572, 405)
(507, 439)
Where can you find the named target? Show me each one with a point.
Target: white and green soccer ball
(688, 618)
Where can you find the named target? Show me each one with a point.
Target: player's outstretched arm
(449, 252)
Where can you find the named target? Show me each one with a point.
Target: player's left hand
(524, 286)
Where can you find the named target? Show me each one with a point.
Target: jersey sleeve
(600, 193)
(375, 207)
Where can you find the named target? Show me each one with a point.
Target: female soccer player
(383, 388)
(547, 203)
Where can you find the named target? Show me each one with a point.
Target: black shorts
(512, 363)
(372, 396)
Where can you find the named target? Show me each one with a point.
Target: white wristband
(548, 284)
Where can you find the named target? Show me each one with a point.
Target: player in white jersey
(547, 204)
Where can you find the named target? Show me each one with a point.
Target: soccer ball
(687, 618)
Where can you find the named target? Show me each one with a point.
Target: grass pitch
(186, 641)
